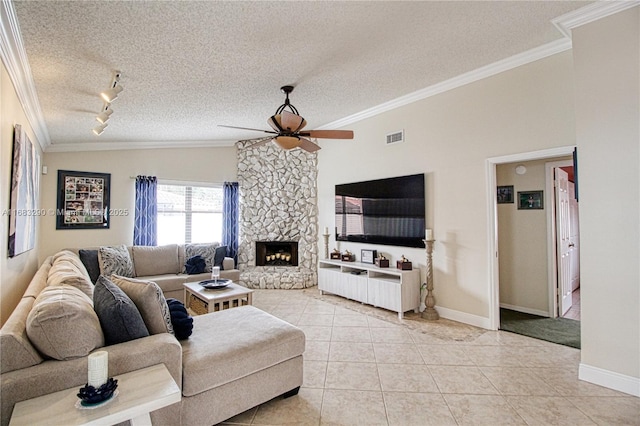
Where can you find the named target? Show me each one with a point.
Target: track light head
(103, 117)
(98, 130)
(111, 95)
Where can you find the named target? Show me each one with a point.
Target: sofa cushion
(180, 319)
(207, 251)
(63, 325)
(119, 317)
(234, 343)
(115, 260)
(149, 300)
(168, 282)
(156, 260)
(90, 261)
(67, 268)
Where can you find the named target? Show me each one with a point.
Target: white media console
(387, 288)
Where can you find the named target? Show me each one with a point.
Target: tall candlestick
(98, 363)
(430, 312)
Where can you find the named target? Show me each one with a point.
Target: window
(189, 214)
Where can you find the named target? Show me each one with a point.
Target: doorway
(547, 200)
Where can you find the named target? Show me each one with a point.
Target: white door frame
(492, 221)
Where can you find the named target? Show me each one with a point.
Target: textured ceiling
(188, 66)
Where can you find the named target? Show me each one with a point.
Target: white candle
(428, 234)
(215, 272)
(326, 230)
(98, 368)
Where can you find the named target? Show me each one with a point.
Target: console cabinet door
(385, 294)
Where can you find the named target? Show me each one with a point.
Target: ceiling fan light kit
(108, 96)
(287, 127)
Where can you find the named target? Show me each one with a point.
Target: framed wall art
(25, 182)
(368, 256)
(83, 200)
(530, 200)
(505, 194)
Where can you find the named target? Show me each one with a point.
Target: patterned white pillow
(207, 251)
(115, 260)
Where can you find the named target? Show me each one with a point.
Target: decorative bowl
(90, 395)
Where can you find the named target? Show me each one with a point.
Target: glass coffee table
(200, 300)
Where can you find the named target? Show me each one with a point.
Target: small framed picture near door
(530, 200)
(368, 256)
(505, 194)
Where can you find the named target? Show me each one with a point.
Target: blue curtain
(145, 230)
(230, 217)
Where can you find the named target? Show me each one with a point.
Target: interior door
(574, 235)
(563, 239)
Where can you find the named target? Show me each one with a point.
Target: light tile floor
(363, 370)
(574, 310)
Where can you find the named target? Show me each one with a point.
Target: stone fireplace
(278, 207)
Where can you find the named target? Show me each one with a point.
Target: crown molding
(598, 10)
(120, 146)
(15, 60)
(515, 61)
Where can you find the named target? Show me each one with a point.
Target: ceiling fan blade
(292, 122)
(307, 145)
(257, 142)
(328, 134)
(247, 128)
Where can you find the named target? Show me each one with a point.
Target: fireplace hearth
(276, 253)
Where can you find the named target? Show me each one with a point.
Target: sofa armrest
(228, 264)
(52, 375)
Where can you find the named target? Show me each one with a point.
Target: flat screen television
(385, 211)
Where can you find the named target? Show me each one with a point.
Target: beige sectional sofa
(234, 360)
(164, 265)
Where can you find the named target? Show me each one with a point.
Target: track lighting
(103, 117)
(108, 96)
(111, 94)
(98, 130)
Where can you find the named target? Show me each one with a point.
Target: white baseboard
(609, 379)
(464, 317)
(525, 310)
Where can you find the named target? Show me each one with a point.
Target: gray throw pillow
(119, 317)
(115, 260)
(89, 259)
(221, 253)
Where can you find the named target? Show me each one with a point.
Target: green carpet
(563, 331)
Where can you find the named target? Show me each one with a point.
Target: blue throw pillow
(180, 319)
(119, 317)
(195, 265)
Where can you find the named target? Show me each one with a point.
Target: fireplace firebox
(276, 253)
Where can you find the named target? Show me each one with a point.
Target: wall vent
(395, 137)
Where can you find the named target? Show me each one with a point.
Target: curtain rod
(182, 180)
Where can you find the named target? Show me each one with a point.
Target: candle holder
(430, 312)
(326, 245)
(89, 395)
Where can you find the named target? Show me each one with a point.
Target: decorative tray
(215, 284)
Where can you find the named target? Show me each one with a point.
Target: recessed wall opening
(276, 253)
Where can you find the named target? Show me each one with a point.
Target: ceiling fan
(287, 129)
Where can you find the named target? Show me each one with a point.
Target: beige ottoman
(237, 359)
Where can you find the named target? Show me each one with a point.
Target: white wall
(607, 63)
(16, 272)
(192, 164)
(449, 137)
